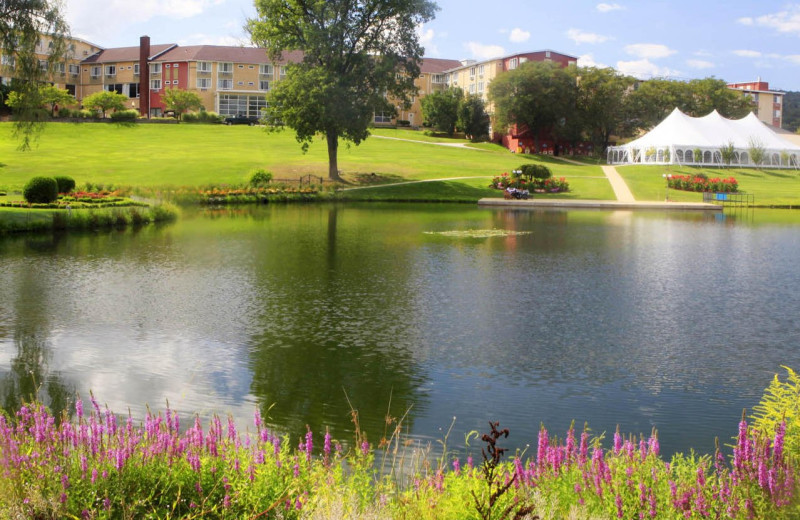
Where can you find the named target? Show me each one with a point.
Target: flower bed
(703, 183)
(551, 185)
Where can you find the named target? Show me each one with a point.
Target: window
(283, 71)
(480, 86)
(383, 117)
(437, 78)
(95, 71)
(250, 83)
(168, 82)
(133, 90)
(265, 70)
(225, 84)
(175, 65)
(155, 84)
(472, 89)
(480, 70)
(136, 69)
(70, 89)
(263, 84)
(225, 68)
(241, 66)
(74, 70)
(546, 54)
(778, 113)
(250, 67)
(43, 64)
(203, 82)
(155, 68)
(111, 70)
(167, 65)
(776, 99)
(203, 66)
(249, 105)
(512, 63)
(472, 72)
(61, 68)
(240, 83)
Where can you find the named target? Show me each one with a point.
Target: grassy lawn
(202, 155)
(769, 187)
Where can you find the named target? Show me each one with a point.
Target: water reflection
(642, 319)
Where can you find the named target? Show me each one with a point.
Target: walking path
(451, 145)
(621, 190)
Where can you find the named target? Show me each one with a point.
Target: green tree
(356, 55)
(22, 24)
(105, 101)
(536, 96)
(180, 101)
(440, 109)
(655, 99)
(711, 94)
(728, 152)
(603, 104)
(472, 118)
(757, 151)
(53, 96)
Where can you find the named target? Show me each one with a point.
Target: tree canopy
(180, 101)
(22, 24)
(440, 109)
(357, 54)
(105, 101)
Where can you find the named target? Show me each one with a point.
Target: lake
(639, 319)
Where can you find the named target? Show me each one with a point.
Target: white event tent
(682, 139)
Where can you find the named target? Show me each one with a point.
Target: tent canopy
(678, 135)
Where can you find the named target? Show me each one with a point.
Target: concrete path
(618, 184)
(451, 145)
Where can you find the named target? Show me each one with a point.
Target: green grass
(769, 187)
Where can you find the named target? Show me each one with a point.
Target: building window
(249, 105)
(225, 68)
(176, 65)
(167, 65)
(95, 71)
(155, 68)
(512, 63)
(225, 84)
(111, 70)
(74, 70)
(203, 82)
(70, 89)
(155, 84)
(203, 66)
(136, 69)
(168, 82)
(263, 84)
(241, 66)
(283, 71)
(472, 72)
(777, 113)
(777, 99)
(480, 70)
(43, 65)
(437, 78)
(265, 70)
(546, 54)
(133, 90)
(61, 68)
(250, 83)
(383, 117)
(472, 89)
(480, 86)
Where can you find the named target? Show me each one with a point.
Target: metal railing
(743, 200)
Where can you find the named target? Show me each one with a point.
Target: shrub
(260, 177)
(41, 190)
(403, 122)
(535, 171)
(86, 114)
(124, 116)
(64, 112)
(65, 184)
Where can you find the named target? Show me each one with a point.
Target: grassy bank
(16, 220)
(100, 465)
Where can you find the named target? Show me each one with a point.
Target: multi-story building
(768, 103)
(432, 78)
(66, 74)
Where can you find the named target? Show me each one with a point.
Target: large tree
(23, 23)
(180, 101)
(356, 55)
(473, 119)
(536, 96)
(49, 95)
(440, 109)
(602, 103)
(104, 101)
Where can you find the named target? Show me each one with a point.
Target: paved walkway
(451, 145)
(618, 184)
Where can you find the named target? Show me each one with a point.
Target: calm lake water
(677, 321)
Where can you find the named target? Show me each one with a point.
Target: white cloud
(215, 39)
(579, 37)
(649, 50)
(604, 8)
(644, 69)
(518, 35)
(745, 20)
(793, 58)
(747, 54)
(426, 39)
(787, 21)
(587, 60)
(700, 64)
(484, 52)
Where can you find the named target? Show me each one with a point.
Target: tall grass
(102, 465)
(19, 220)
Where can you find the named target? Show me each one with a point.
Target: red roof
(437, 66)
(228, 54)
(119, 54)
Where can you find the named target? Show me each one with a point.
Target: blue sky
(733, 40)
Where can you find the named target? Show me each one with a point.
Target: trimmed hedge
(65, 184)
(41, 190)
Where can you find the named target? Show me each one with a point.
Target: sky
(732, 40)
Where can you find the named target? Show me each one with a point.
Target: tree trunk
(333, 154)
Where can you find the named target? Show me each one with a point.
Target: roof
(226, 54)
(470, 63)
(126, 53)
(437, 65)
(711, 131)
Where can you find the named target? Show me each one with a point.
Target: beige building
(768, 103)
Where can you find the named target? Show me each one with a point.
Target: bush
(260, 177)
(41, 190)
(64, 112)
(125, 116)
(65, 184)
(403, 122)
(535, 171)
(203, 117)
(86, 114)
